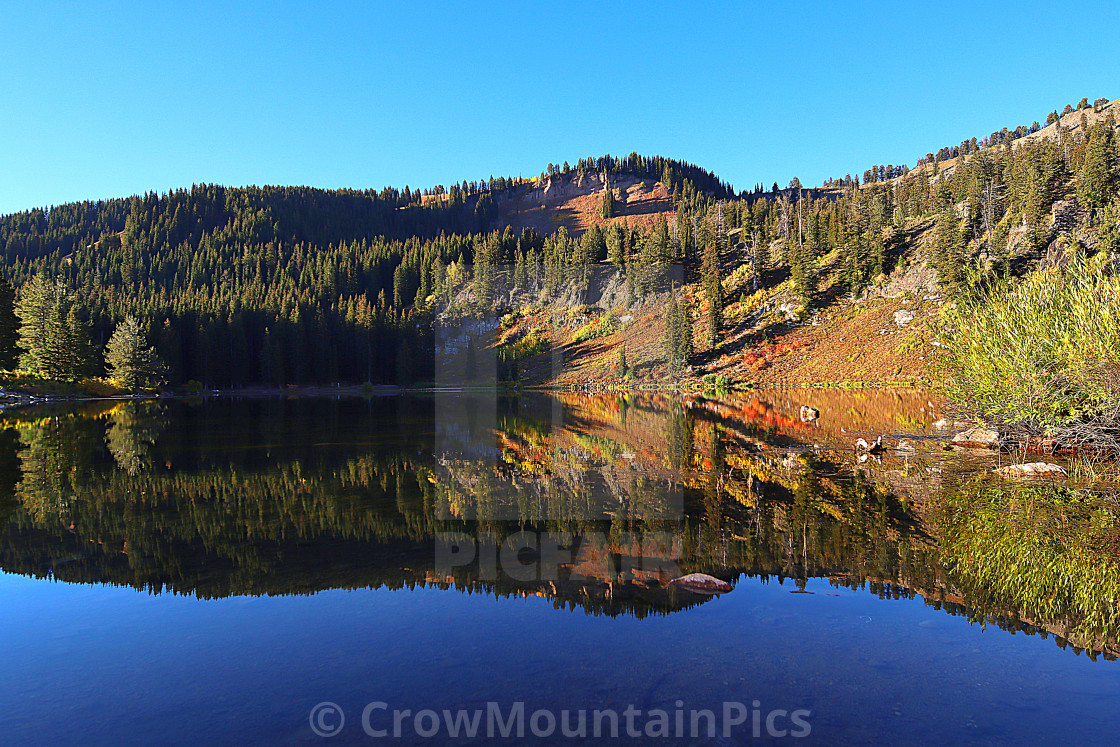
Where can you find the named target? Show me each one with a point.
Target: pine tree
(684, 233)
(948, 253)
(614, 246)
(38, 300)
(80, 355)
(606, 204)
(130, 360)
(9, 326)
(803, 272)
(678, 333)
(58, 348)
(622, 366)
(761, 258)
(1096, 179)
(713, 284)
(632, 284)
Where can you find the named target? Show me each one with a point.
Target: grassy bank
(1041, 358)
(34, 386)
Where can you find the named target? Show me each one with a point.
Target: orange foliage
(766, 353)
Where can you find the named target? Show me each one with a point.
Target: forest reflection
(294, 496)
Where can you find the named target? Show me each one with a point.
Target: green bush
(600, 327)
(1042, 354)
(714, 381)
(524, 347)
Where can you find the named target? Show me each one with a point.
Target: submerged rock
(1032, 470)
(977, 438)
(701, 583)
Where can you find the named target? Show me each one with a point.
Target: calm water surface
(183, 572)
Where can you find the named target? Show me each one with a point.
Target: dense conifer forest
(294, 285)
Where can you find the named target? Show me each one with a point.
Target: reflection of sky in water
(102, 665)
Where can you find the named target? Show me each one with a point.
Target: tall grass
(1042, 355)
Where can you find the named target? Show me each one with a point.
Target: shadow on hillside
(644, 207)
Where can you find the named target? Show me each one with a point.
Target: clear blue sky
(113, 100)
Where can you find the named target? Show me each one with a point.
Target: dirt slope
(573, 201)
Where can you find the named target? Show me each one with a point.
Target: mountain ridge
(296, 285)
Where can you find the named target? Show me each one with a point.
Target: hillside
(581, 276)
(883, 332)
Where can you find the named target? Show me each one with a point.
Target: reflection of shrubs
(605, 325)
(603, 448)
(1045, 551)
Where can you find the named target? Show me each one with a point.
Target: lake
(315, 570)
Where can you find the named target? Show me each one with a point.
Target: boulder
(873, 447)
(809, 413)
(903, 317)
(906, 445)
(977, 438)
(701, 583)
(1033, 470)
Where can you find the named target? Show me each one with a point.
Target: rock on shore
(978, 438)
(1033, 471)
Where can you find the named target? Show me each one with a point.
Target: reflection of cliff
(573, 458)
(275, 498)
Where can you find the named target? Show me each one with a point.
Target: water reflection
(594, 502)
(132, 432)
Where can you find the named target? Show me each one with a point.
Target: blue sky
(106, 101)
